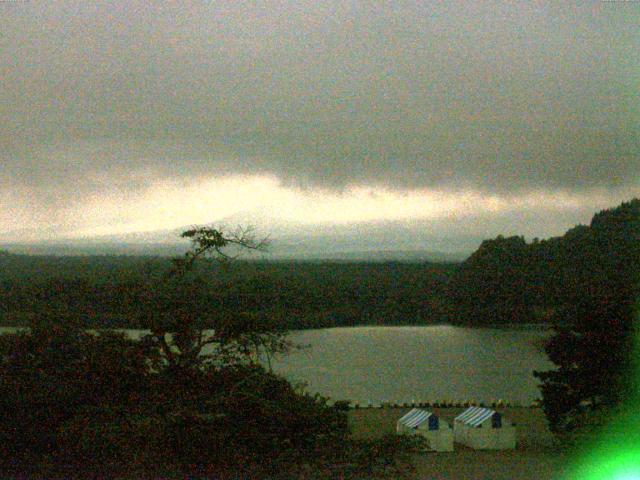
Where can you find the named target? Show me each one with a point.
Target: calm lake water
(401, 364)
(423, 363)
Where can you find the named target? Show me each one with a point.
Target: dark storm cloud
(479, 95)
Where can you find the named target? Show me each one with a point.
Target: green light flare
(603, 464)
(615, 455)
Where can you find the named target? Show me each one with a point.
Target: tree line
(106, 290)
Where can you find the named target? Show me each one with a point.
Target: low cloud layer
(104, 101)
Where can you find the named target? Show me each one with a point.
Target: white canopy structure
(484, 429)
(438, 434)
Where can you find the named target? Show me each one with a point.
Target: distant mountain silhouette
(288, 240)
(449, 238)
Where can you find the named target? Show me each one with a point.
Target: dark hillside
(508, 280)
(105, 290)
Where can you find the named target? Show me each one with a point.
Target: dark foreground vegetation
(76, 404)
(597, 327)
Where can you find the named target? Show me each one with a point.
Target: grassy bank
(535, 457)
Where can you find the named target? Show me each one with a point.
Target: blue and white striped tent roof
(416, 417)
(474, 416)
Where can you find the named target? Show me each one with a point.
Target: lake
(401, 364)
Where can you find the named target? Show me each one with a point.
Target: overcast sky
(140, 115)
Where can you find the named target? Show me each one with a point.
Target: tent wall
(402, 429)
(438, 434)
(438, 440)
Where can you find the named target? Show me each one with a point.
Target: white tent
(482, 428)
(438, 434)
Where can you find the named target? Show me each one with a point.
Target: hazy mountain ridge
(450, 238)
(276, 252)
(405, 241)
